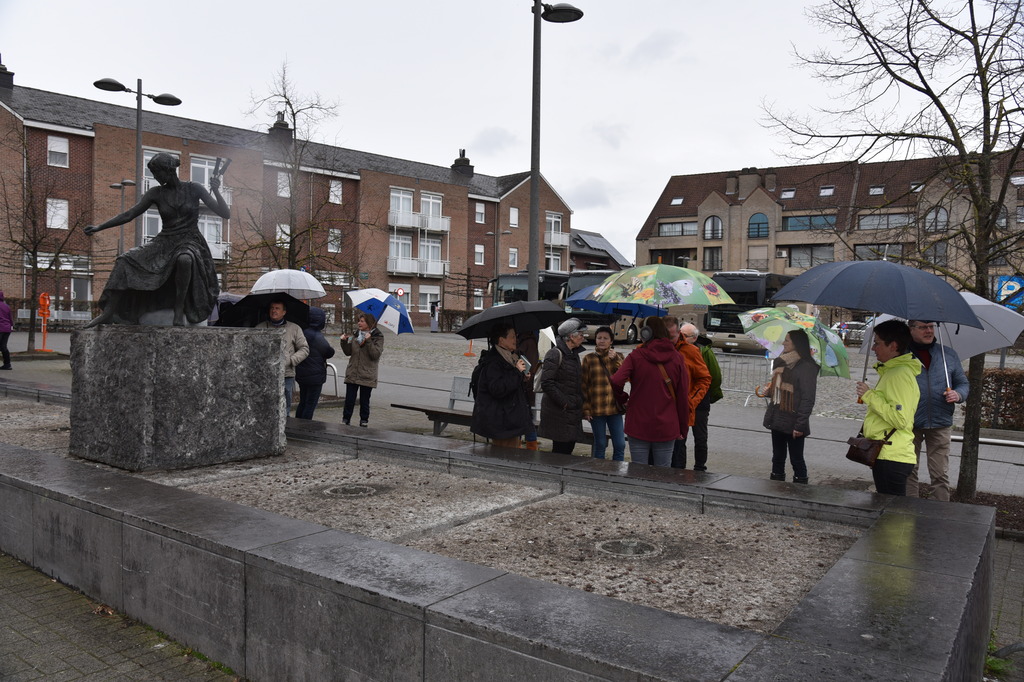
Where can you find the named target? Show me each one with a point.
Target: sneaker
(346, 422)
(6, 367)
(778, 477)
(364, 423)
(699, 467)
(799, 480)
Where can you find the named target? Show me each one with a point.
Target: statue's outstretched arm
(126, 217)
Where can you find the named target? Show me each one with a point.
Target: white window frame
(56, 148)
(513, 257)
(334, 191)
(406, 296)
(431, 204)
(876, 190)
(478, 254)
(478, 299)
(334, 237)
(284, 184)
(481, 212)
(57, 214)
(428, 294)
(201, 169)
(151, 225)
(283, 234)
(826, 190)
(787, 193)
(401, 200)
(553, 223)
(553, 259)
(211, 227)
(430, 249)
(676, 201)
(513, 216)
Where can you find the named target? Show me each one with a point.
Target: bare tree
(41, 250)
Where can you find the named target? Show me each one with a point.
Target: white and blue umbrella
(389, 311)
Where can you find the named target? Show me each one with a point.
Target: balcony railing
(419, 221)
(556, 239)
(418, 266)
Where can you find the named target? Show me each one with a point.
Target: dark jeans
(3, 348)
(351, 390)
(781, 443)
(700, 440)
(891, 477)
(309, 395)
(564, 447)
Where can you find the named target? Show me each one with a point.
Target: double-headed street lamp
(167, 99)
(121, 185)
(562, 13)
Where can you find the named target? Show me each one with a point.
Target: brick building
(351, 218)
(788, 219)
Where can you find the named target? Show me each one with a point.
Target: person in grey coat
(561, 408)
(791, 394)
(933, 421)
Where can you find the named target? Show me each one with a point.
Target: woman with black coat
(311, 373)
(500, 384)
(791, 394)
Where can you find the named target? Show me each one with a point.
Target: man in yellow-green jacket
(892, 404)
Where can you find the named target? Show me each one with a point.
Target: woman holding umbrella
(364, 349)
(500, 385)
(892, 404)
(791, 393)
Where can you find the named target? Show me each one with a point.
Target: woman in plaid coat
(603, 406)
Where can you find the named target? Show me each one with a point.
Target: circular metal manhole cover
(350, 490)
(629, 548)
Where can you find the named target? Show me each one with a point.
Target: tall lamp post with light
(167, 99)
(562, 13)
(121, 185)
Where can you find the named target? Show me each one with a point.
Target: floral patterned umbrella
(769, 326)
(660, 286)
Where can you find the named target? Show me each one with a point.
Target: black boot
(799, 480)
(778, 477)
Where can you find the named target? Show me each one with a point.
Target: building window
(809, 255)
(57, 153)
(676, 201)
(430, 205)
(688, 229)
(429, 294)
(757, 257)
(916, 186)
(406, 297)
(713, 258)
(757, 226)
(211, 227)
(808, 222)
(478, 254)
(81, 289)
(713, 228)
(826, 190)
(400, 247)
(478, 299)
(513, 257)
(936, 254)
(554, 222)
(878, 251)
(553, 259)
(401, 200)
(430, 249)
(884, 221)
(876, 190)
(334, 191)
(480, 215)
(513, 217)
(284, 234)
(151, 225)
(787, 193)
(333, 240)
(57, 214)
(200, 170)
(284, 184)
(937, 220)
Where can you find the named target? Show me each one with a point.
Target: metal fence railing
(744, 373)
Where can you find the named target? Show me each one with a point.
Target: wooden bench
(459, 394)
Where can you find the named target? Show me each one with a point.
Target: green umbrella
(769, 326)
(660, 286)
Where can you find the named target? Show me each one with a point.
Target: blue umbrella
(389, 311)
(584, 300)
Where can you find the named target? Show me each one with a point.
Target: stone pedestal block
(146, 398)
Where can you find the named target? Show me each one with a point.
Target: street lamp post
(121, 185)
(561, 13)
(167, 99)
(497, 261)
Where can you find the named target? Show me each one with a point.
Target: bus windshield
(749, 289)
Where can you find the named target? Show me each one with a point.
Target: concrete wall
(279, 599)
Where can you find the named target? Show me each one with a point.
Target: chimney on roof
(462, 164)
(281, 132)
(770, 180)
(6, 77)
(750, 179)
(730, 183)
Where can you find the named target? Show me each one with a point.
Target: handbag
(865, 450)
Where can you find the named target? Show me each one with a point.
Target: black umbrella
(881, 287)
(524, 316)
(252, 309)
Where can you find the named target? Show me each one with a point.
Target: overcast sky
(629, 99)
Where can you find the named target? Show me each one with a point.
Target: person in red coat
(659, 405)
